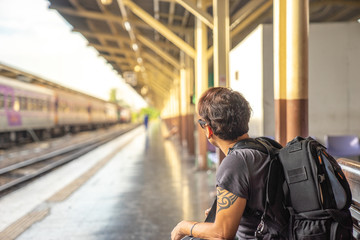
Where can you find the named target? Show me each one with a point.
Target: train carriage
(72, 110)
(24, 107)
(111, 112)
(29, 111)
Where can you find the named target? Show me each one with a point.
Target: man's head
(227, 112)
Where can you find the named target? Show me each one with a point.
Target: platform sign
(130, 78)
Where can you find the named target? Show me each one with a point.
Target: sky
(37, 40)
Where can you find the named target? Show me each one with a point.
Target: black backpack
(307, 194)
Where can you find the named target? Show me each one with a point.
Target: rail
(351, 169)
(16, 174)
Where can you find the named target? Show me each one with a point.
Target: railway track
(14, 175)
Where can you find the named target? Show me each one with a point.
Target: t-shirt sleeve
(233, 175)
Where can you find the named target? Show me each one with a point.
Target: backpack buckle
(259, 230)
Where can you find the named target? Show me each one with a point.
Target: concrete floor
(142, 192)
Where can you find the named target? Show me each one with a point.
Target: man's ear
(209, 131)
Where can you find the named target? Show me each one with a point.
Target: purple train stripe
(14, 118)
(6, 90)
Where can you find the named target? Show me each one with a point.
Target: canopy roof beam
(112, 49)
(251, 18)
(106, 16)
(161, 28)
(197, 12)
(160, 77)
(166, 70)
(119, 37)
(152, 45)
(244, 12)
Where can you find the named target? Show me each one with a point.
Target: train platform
(138, 186)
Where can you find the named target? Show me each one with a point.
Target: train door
(3, 118)
(13, 116)
(89, 113)
(56, 110)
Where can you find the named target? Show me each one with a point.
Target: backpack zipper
(321, 178)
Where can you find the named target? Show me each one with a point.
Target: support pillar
(184, 100)
(221, 49)
(177, 107)
(201, 82)
(297, 36)
(279, 12)
(291, 36)
(221, 42)
(190, 78)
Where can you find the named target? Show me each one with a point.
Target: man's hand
(207, 212)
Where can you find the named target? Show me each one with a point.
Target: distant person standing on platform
(240, 177)
(146, 121)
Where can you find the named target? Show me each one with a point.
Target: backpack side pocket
(311, 229)
(322, 225)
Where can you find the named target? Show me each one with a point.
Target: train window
(68, 107)
(17, 104)
(40, 105)
(32, 105)
(45, 108)
(2, 101)
(37, 105)
(23, 103)
(9, 103)
(44, 105)
(28, 104)
(62, 106)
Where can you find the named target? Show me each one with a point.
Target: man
(240, 178)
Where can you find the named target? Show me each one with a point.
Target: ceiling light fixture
(137, 68)
(127, 26)
(358, 20)
(135, 47)
(106, 2)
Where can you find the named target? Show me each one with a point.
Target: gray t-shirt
(243, 172)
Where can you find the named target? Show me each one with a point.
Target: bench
(343, 145)
(351, 170)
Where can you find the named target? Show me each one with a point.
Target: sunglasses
(202, 123)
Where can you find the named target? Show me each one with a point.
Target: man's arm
(228, 214)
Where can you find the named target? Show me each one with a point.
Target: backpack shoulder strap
(249, 143)
(270, 142)
(274, 186)
(271, 147)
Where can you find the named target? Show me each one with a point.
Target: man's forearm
(203, 230)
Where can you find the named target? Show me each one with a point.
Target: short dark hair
(226, 111)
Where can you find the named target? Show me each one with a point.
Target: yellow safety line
(18, 227)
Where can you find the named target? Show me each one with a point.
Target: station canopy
(143, 39)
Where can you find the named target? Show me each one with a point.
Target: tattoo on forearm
(224, 199)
